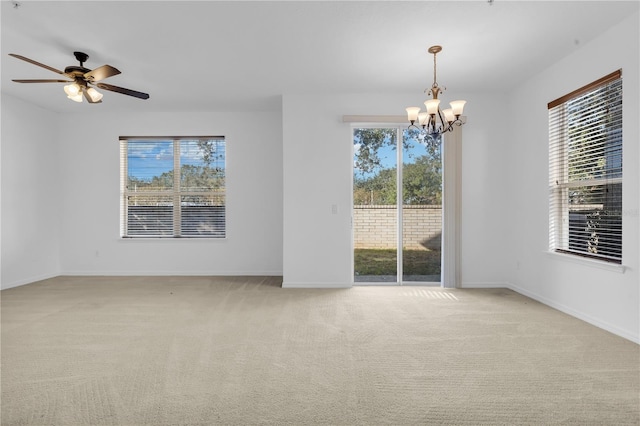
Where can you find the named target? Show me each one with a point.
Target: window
(585, 170)
(172, 187)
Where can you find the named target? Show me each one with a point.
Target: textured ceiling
(241, 55)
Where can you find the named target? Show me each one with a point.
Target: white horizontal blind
(173, 187)
(585, 171)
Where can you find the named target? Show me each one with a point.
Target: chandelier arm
(456, 122)
(443, 121)
(449, 128)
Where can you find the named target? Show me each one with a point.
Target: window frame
(175, 193)
(560, 182)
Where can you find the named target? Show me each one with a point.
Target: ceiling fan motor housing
(78, 71)
(81, 57)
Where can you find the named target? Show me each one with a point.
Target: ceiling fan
(82, 78)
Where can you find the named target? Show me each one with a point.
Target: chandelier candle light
(434, 122)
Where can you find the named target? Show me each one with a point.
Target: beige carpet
(243, 351)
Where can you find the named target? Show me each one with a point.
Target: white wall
(606, 298)
(90, 242)
(485, 198)
(318, 172)
(30, 193)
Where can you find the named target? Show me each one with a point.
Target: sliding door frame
(451, 199)
(451, 208)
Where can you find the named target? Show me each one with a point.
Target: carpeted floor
(243, 351)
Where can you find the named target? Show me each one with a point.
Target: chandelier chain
(435, 81)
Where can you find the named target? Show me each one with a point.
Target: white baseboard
(156, 273)
(315, 285)
(578, 314)
(28, 280)
(484, 285)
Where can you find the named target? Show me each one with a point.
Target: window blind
(585, 170)
(173, 187)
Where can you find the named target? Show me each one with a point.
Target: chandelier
(434, 122)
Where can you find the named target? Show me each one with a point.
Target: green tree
(378, 189)
(201, 177)
(421, 184)
(422, 176)
(210, 150)
(422, 181)
(368, 143)
(194, 177)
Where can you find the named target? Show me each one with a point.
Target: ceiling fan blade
(124, 91)
(31, 61)
(43, 81)
(101, 73)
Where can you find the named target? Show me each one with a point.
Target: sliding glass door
(421, 213)
(397, 211)
(375, 217)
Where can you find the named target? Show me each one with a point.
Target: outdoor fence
(375, 227)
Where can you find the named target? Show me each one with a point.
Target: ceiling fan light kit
(73, 92)
(82, 78)
(434, 122)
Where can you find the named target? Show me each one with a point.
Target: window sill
(613, 267)
(164, 239)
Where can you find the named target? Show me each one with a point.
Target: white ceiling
(241, 55)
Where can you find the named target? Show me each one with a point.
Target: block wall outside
(375, 226)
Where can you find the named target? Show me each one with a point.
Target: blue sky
(139, 154)
(161, 155)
